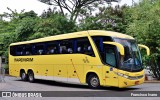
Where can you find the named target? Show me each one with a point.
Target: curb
(154, 81)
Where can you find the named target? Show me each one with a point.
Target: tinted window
(84, 46)
(27, 50)
(110, 55)
(52, 48)
(13, 50)
(20, 50)
(66, 46)
(98, 40)
(107, 52)
(39, 49)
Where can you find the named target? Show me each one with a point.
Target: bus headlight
(122, 75)
(130, 77)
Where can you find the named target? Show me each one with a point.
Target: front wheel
(93, 81)
(31, 76)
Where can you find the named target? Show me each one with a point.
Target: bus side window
(28, 50)
(39, 49)
(70, 50)
(13, 50)
(84, 46)
(52, 48)
(79, 49)
(66, 46)
(19, 50)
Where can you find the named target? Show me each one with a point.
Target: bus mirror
(120, 46)
(145, 47)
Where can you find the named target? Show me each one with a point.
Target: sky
(35, 5)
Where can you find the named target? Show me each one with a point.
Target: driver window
(110, 57)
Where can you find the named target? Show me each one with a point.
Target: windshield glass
(132, 59)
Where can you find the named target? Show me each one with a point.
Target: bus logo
(23, 59)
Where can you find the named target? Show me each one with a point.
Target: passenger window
(39, 49)
(84, 46)
(13, 50)
(66, 46)
(19, 50)
(28, 50)
(52, 48)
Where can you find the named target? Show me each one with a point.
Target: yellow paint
(120, 46)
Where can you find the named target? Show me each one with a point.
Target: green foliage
(25, 29)
(111, 19)
(153, 62)
(27, 25)
(55, 24)
(145, 24)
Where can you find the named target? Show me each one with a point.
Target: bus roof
(76, 35)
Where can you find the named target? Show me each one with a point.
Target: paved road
(15, 84)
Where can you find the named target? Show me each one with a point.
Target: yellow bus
(93, 57)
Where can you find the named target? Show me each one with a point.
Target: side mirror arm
(120, 46)
(145, 47)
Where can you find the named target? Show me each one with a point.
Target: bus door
(110, 70)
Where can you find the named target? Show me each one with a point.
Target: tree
(13, 15)
(52, 25)
(145, 27)
(74, 7)
(30, 14)
(18, 28)
(108, 18)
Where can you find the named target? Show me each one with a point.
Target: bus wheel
(93, 81)
(31, 76)
(23, 76)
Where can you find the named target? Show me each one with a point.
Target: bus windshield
(132, 58)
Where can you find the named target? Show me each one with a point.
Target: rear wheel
(93, 81)
(23, 76)
(31, 76)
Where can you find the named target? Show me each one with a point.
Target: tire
(23, 76)
(93, 81)
(31, 76)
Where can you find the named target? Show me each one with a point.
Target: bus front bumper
(124, 82)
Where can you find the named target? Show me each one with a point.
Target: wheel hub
(23, 75)
(94, 82)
